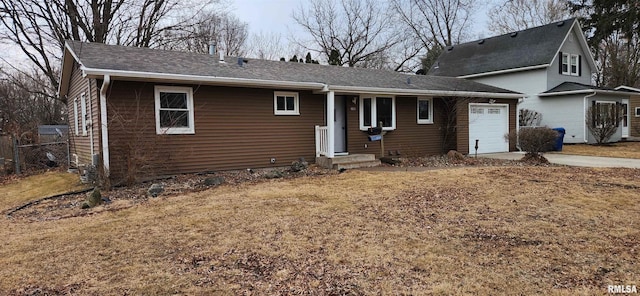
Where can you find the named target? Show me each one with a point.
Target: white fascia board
(191, 79)
(505, 71)
(629, 88)
(587, 91)
(423, 92)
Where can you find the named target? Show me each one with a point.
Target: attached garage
(488, 125)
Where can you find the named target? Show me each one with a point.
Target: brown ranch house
(154, 112)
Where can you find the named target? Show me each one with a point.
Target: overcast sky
(275, 16)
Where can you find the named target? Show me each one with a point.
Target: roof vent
(481, 41)
(437, 65)
(450, 48)
(560, 23)
(514, 34)
(408, 80)
(240, 62)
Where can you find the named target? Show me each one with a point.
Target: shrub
(534, 141)
(603, 121)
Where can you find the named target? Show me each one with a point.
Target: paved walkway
(574, 160)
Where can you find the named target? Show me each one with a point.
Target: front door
(340, 126)
(625, 118)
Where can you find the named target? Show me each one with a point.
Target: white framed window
(425, 110)
(83, 111)
(637, 111)
(605, 113)
(374, 109)
(174, 110)
(286, 103)
(570, 64)
(75, 117)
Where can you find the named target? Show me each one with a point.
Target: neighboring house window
(174, 110)
(606, 112)
(570, 64)
(83, 110)
(378, 109)
(425, 111)
(286, 103)
(637, 111)
(75, 116)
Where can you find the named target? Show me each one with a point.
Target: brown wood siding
(463, 121)
(409, 137)
(81, 145)
(235, 128)
(634, 122)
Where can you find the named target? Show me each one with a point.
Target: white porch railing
(322, 141)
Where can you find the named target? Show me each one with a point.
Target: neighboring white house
(551, 64)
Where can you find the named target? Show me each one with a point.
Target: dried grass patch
(485, 231)
(17, 191)
(620, 149)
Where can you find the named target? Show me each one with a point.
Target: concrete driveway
(574, 160)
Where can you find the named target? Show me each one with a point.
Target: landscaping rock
(299, 165)
(155, 189)
(215, 181)
(275, 174)
(453, 155)
(93, 199)
(390, 160)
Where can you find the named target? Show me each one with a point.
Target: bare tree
(619, 61)
(358, 30)
(39, 28)
(434, 21)
(515, 15)
(226, 31)
(603, 121)
(22, 110)
(266, 46)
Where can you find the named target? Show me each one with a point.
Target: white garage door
(488, 123)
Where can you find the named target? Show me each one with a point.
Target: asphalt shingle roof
(134, 59)
(574, 86)
(526, 48)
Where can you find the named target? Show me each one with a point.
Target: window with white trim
(83, 111)
(605, 113)
(286, 103)
(174, 110)
(637, 111)
(425, 111)
(377, 109)
(570, 64)
(75, 117)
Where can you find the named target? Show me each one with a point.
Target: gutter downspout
(584, 109)
(104, 131)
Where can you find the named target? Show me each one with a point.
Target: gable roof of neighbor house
(517, 51)
(571, 88)
(133, 63)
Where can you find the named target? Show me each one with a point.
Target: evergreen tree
(334, 58)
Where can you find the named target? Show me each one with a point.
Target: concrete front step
(356, 165)
(348, 161)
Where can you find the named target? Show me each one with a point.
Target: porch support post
(331, 103)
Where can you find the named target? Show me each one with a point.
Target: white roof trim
(505, 71)
(423, 92)
(633, 89)
(97, 73)
(320, 87)
(586, 91)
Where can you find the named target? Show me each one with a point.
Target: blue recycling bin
(557, 145)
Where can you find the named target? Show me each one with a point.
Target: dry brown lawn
(476, 231)
(620, 149)
(15, 192)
